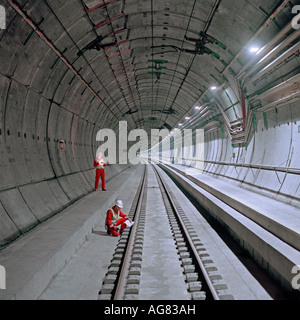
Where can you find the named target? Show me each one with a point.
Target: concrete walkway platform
(82, 277)
(34, 259)
(281, 219)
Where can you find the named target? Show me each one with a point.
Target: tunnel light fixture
(213, 88)
(180, 124)
(197, 107)
(254, 49)
(187, 118)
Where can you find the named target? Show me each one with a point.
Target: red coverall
(121, 221)
(99, 173)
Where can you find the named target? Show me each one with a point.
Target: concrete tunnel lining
(47, 96)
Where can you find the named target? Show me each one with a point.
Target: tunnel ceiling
(147, 62)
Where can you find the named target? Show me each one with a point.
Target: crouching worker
(114, 218)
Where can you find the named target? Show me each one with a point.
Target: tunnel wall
(274, 141)
(39, 175)
(42, 103)
(47, 127)
(264, 165)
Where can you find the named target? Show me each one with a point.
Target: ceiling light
(187, 118)
(180, 124)
(197, 107)
(254, 49)
(213, 88)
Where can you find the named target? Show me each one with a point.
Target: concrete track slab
(272, 253)
(241, 284)
(159, 272)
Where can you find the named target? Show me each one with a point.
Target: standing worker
(114, 218)
(99, 164)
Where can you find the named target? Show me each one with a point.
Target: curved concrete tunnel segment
(48, 94)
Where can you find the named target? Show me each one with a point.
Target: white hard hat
(119, 203)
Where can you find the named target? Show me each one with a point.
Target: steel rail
(189, 239)
(122, 277)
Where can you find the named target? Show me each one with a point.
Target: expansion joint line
(60, 55)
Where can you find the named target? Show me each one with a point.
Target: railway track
(176, 267)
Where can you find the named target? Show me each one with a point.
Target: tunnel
(73, 72)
